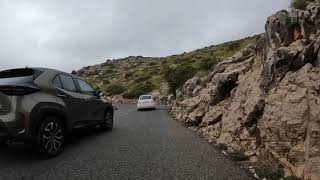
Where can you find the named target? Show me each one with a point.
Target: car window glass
(16, 76)
(56, 82)
(13, 73)
(86, 88)
(145, 97)
(67, 83)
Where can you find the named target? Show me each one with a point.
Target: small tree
(207, 64)
(298, 4)
(232, 46)
(177, 76)
(115, 89)
(139, 89)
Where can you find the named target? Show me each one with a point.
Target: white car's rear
(146, 102)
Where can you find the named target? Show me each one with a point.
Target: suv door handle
(61, 95)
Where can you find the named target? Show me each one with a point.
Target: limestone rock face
(160, 95)
(279, 30)
(265, 100)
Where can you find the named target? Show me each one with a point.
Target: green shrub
(128, 74)
(207, 64)
(106, 81)
(177, 76)
(115, 89)
(233, 46)
(164, 61)
(298, 4)
(142, 77)
(140, 89)
(152, 63)
(270, 172)
(108, 71)
(154, 71)
(238, 156)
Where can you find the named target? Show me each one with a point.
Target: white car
(146, 102)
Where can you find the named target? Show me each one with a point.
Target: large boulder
(160, 94)
(290, 124)
(279, 30)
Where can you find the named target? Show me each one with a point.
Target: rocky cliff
(264, 101)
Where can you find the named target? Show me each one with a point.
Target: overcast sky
(70, 34)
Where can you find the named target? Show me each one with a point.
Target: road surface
(142, 145)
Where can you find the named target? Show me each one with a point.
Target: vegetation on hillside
(298, 4)
(133, 78)
(177, 75)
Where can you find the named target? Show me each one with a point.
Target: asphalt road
(142, 145)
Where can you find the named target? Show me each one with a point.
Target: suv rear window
(12, 73)
(23, 72)
(145, 97)
(18, 76)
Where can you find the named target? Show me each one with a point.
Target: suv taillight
(17, 90)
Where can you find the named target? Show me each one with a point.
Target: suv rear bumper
(12, 130)
(4, 134)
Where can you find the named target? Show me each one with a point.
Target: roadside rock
(161, 95)
(291, 112)
(190, 86)
(119, 99)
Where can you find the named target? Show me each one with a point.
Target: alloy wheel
(109, 119)
(52, 137)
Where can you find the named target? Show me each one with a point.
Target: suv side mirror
(99, 94)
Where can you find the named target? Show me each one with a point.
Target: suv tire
(50, 137)
(108, 121)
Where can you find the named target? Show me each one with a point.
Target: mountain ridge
(124, 74)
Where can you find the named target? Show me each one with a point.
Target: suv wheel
(50, 137)
(108, 121)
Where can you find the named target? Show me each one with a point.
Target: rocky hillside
(264, 101)
(133, 76)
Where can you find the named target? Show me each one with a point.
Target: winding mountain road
(142, 145)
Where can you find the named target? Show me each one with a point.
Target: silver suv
(43, 105)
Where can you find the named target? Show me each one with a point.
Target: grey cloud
(70, 34)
